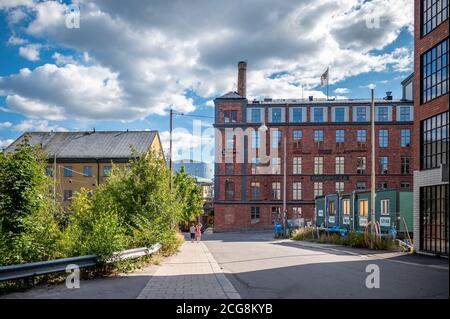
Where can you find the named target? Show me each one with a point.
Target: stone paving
(193, 273)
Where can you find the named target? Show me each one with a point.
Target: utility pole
(170, 147)
(372, 176)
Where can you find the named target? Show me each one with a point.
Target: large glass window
(229, 190)
(297, 115)
(297, 191)
(360, 186)
(318, 165)
(87, 171)
(434, 141)
(276, 138)
(383, 138)
(276, 190)
(297, 165)
(107, 170)
(339, 114)
(383, 114)
(434, 12)
(276, 165)
(406, 137)
(346, 206)
(434, 65)
(318, 115)
(318, 136)
(384, 204)
(276, 115)
(434, 219)
(255, 214)
(255, 190)
(361, 136)
(297, 135)
(404, 165)
(364, 207)
(340, 165)
(361, 165)
(318, 189)
(339, 187)
(405, 113)
(383, 163)
(68, 171)
(340, 136)
(256, 115)
(361, 115)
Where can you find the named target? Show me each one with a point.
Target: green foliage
(356, 240)
(306, 234)
(189, 194)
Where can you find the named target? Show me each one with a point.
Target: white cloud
(8, 4)
(61, 59)
(30, 52)
(341, 91)
(210, 103)
(5, 143)
(5, 124)
(38, 126)
(186, 145)
(13, 40)
(156, 51)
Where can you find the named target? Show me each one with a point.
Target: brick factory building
(327, 147)
(431, 87)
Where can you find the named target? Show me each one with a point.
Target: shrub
(356, 240)
(303, 234)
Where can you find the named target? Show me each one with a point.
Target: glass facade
(383, 138)
(434, 219)
(297, 115)
(405, 137)
(434, 141)
(339, 114)
(434, 12)
(434, 75)
(361, 115)
(339, 136)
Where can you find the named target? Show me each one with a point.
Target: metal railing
(60, 265)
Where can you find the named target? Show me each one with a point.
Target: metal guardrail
(60, 265)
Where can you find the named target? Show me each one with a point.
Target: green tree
(189, 194)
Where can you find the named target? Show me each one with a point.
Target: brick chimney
(242, 78)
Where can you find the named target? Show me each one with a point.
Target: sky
(126, 63)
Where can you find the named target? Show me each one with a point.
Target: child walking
(192, 230)
(198, 232)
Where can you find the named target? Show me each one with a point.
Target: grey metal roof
(230, 95)
(316, 102)
(106, 144)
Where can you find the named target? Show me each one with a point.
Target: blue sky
(127, 65)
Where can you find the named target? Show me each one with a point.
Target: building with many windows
(431, 97)
(84, 159)
(327, 151)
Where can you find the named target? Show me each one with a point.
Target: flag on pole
(324, 77)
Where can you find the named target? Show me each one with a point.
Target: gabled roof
(106, 144)
(230, 95)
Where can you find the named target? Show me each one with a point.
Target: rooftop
(102, 144)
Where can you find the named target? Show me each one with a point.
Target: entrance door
(434, 219)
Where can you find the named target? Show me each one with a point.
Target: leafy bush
(356, 240)
(306, 234)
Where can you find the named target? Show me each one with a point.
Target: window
(229, 168)
(382, 185)
(255, 163)
(276, 190)
(339, 136)
(434, 75)
(297, 135)
(229, 190)
(318, 136)
(233, 117)
(318, 165)
(67, 195)
(404, 169)
(297, 191)
(383, 138)
(405, 113)
(229, 116)
(318, 189)
(383, 114)
(255, 214)
(364, 207)
(255, 190)
(229, 140)
(361, 165)
(256, 115)
(361, 136)
(339, 187)
(276, 115)
(87, 171)
(405, 185)
(360, 186)
(383, 165)
(339, 114)
(67, 171)
(361, 115)
(276, 138)
(346, 206)
(434, 141)
(434, 212)
(318, 115)
(256, 140)
(331, 208)
(405, 137)
(297, 115)
(49, 171)
(339, 165)
(297, 165)
(107, 170)
(297, 211)
(385, 206)
(433, 13)
(276, 165)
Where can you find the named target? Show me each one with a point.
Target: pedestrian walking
(192, 230)
(198, 232)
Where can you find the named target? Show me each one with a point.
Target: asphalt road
(261, 267)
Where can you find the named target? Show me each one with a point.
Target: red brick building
(327, 150)
(431, 118)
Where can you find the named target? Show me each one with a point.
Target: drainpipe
(354, 208)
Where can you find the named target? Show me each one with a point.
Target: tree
(189, 194)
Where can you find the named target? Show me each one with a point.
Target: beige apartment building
(84, 159)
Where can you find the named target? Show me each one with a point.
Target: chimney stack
(242, 78)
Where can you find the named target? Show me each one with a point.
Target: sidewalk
(193, 273)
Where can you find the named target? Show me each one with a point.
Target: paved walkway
(193, 273)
